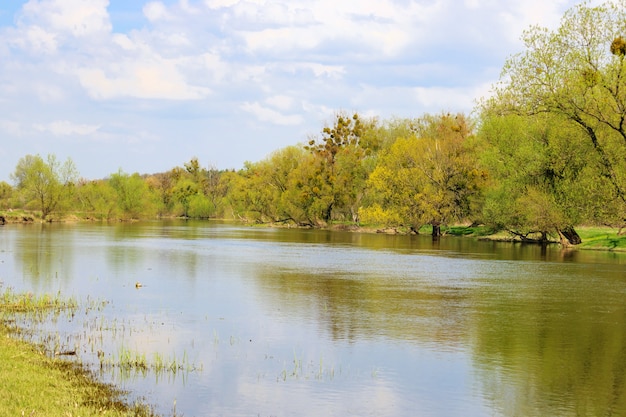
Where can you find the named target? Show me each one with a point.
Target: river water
(284, 322)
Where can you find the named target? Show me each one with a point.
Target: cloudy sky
(144, 86)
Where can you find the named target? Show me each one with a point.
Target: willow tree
(47, 184)
(578, 74)
(133, 197)
(542, 177)
(429, 178)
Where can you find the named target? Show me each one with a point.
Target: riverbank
(600, 238)
(33, 384)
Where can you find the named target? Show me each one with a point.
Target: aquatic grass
(13, 302)
(34, 384)
(132, 360)
(309, 370)
(31, 317)
(128, 360)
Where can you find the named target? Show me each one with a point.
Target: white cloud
(66, 128)
(11, 128)
(145, 80)
(266, 114)
(217, 4)
(280, 102)
(155, 10)
(40, 41)
(77, 17)
(450, 98)
(123, 41)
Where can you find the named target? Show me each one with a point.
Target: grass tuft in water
(13, 302)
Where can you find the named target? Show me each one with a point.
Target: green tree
(543, 176)
(97, 198)
(343, 151)
(577, 73)
(183, 192)
(249, 196)
(429, 178)
(48, 184)
(6, 192)
(201, 207)
(308, 193)
(212, 187)
(133, 197)
(393, 189)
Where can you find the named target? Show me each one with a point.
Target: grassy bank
(602, 238)
(33, 384)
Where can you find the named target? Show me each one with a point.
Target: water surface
(283, 322)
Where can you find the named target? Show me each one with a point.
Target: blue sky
(144, 86)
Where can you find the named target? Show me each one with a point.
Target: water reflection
(554, 346)
(361, 307)
(338, 323)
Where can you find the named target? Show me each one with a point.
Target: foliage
(578, 74)
(541, 174)
(342, 167)
(97, 198)
(6, 192)
(48, 185)
(428, 178)
(132, 196)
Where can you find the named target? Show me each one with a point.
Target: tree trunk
(328, 213)
(569, 237)
(436, 230)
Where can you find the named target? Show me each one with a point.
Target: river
(288, 322)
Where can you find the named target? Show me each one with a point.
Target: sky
(144, 86)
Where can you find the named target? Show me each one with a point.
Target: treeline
(545, 153)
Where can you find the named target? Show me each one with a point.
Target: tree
(308, 193)
(183, 192)
(343, 151)
(6, 192)
(577, 73)
(97, 198)
(429, 178)
(48, 184)
(133, 197)
(393, 191)
(542, 176)
(249, 195)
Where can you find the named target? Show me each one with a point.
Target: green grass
(28, 303)
(476, 231)
(19, 215)
(601, 238)
(34, 384)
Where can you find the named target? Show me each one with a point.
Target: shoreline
(596, 238)
(36, 385)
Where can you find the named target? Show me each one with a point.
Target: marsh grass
(307, 370)
(31, 332)
(13, 302)
(36, 385)
(134, 362)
